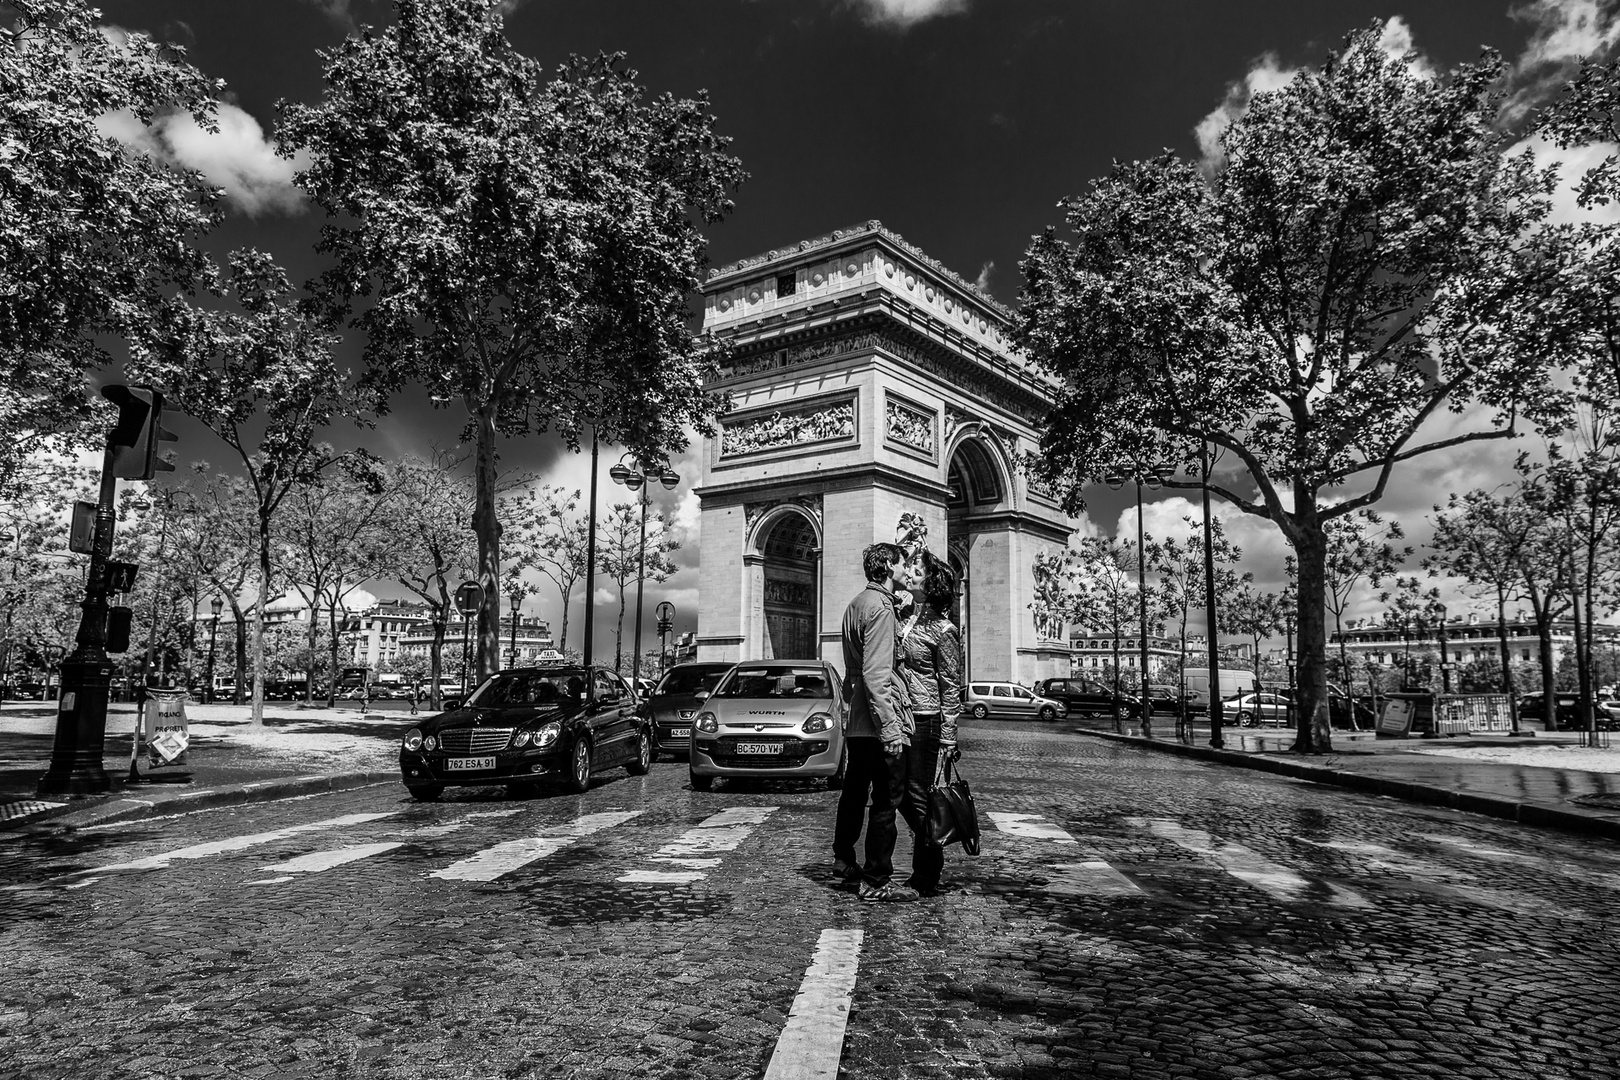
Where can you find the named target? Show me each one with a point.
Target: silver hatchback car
(1010, 701)
(771, 720)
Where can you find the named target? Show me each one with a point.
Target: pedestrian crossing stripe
(1029, 825)
(691, 850)
(500, 860)
(1250, 866)
(239, 843)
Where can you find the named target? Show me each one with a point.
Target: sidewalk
(1543, 779)
(299, 751)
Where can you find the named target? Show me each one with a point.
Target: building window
(785, 285)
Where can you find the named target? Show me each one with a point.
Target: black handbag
(952, 817)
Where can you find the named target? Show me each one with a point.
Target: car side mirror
(452, 703)
(701, 695)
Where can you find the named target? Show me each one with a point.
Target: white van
(1233, 682)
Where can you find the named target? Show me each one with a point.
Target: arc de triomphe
(867, 381)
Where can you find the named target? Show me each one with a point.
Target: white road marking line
(1248, 866)
(1494, 854)
(663, 877)
(1029, 825)
(494, 862)
(1094, 877)
(317, 861)
(239, 843)
(812, 1040)
(717, 832)
(268, 881)
(1385, 858)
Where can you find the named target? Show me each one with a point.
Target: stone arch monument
(868, 381)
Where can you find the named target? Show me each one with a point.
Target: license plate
(469, 764)
(759, 748)
(680, 733)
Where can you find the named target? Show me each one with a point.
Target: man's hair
(939, 583)
(879, 558)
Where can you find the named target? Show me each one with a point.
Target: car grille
(793, 752)
(475, 740)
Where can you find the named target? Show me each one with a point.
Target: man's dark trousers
(870, 773)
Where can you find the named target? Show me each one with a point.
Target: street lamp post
(1445, 659)
(638, 480)
(1152, 478)
(665, 614)
(1211, 616)
(517, 602)
(218, 604)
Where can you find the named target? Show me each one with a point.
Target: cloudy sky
(958, 123)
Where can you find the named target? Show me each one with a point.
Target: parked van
(1233, 683)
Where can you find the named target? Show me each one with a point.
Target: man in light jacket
(878, 731)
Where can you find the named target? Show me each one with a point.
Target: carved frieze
(955, 418)
(780, 430)
(908, 426)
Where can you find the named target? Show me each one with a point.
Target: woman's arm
(948, 672)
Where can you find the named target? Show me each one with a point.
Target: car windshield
(690, 680)
(550, 686)
(750, 681)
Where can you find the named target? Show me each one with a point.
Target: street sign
(469, 597)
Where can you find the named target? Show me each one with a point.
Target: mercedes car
(771, 720)
(528, 726)
(673, 704)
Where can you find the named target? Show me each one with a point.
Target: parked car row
(523, 727)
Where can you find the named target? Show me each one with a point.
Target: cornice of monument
(854, 235)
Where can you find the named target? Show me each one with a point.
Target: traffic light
(118, 625)
(139, 429)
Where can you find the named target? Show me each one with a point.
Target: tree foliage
(1367, 260)
(95, 234)
(548, 534)
(528, 246)
(622, 553)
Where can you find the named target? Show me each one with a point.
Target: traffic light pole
(86, 676)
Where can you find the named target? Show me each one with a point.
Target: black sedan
(674, 702)
(526, 726)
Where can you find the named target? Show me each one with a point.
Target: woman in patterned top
(931, 663)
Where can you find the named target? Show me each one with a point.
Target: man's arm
(877, 669)
(948, 668)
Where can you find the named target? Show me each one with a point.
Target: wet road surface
(1131, 915)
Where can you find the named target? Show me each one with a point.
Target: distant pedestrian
(878, 730)
(931, 665)
(416, 697)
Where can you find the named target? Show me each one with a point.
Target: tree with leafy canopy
(95, 234)
(219, 541)
(549, 534)
(1366, 260)
(262, 376)
(622, 554)
(527, 246)
(1358, 552)
(432, 515)
(1179, 566)
(1256, 614)
(1411, 609)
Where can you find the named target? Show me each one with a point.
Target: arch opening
(791, 551)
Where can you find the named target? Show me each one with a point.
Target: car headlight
(707, 721)
(429, 743)
(521, 739)
(817, 722)
(547, 735)
(413, 739)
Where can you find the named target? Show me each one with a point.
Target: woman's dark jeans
(927, 857)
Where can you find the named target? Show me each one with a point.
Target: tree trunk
(618, 636)
(258, 619)
(436, 661)
(562, 638)
(1310, 548)
(240, 651)
(1549, 698)
(332, 645)
(488, 528)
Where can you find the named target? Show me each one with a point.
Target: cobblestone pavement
(1132, 915)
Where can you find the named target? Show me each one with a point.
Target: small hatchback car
(529, 725)
(673, 705)
(774, 720)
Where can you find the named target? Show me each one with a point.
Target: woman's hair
(938, 584)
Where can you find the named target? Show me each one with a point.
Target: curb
(132, 809)
(1492, 806)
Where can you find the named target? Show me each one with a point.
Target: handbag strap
(942, 770)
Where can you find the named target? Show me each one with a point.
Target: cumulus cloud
(982, 282)
(236, 158)
(1268, 74)
(1562, 33)
(902, 14)
(1566, 30)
